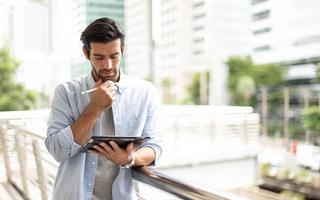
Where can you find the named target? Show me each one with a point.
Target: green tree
(194, 89)
(311, 119)
(245, 78)
(166, 85)
(13, 95)
(317, 78)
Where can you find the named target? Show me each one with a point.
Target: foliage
(275, 130)
(245, 78)
(194, 89)
(292, 195)
(265, 169)
(317, 79)
(166, 85)
(13, 96)
(296, 130)
(311, 119)
(303, 176)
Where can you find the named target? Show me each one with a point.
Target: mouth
(106, 74)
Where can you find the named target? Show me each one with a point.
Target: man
(120, 105)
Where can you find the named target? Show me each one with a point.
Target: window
(308, 40)
(254, 2)
(106, 5)
(201, 3)
(262, 48)
(197, 52)
(198, 28)
(261, 15)
(261, 31)
(198, 40)
(199, 16)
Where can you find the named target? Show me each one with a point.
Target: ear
(86, 52)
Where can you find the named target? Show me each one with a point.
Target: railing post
(286, 117)
(5, 153)
(22, 165)
(264, 111)
(305, 107)
(245, 130)
(137, 190)
(40, 171)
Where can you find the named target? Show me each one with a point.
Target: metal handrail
(143, 174)
(176, 187)
(21, 130)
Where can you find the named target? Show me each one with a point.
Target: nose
(108, 64)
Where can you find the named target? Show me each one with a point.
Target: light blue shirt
(135, 113)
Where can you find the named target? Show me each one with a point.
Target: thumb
(129, 147)
(98, 83)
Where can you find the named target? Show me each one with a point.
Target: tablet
(121, 141)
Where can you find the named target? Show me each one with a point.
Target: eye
(114, 57)
(98, 58)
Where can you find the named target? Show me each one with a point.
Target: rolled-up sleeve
(151, 126)
(60, 142)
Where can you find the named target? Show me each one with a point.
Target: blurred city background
(239, 82)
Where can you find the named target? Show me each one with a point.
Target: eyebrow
(101, 55)
(96, 54)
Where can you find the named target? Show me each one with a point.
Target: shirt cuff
(68, 137)
(157, 151)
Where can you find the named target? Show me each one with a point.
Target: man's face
(105, 60)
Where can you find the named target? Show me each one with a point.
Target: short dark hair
(102, 30)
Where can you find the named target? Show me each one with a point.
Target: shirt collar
(121, 85)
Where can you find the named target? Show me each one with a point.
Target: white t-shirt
(107, 171)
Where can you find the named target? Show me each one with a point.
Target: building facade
(288, 33)
(139, 39)
(83, 12)
(32, 30)
(198, 36)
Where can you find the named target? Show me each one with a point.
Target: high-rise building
(198, 36)
(287, 32)
(139, 39)
(33, 31)
(104, 8)
(83, 13)
(26, 30)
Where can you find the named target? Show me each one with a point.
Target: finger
(99, 149)
(114, 146)
(98, 83)
(112, 92)
(114, 96)
(109, 84)
(106, 147)
(111, 89)
(93, 151)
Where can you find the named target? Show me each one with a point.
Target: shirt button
(93, 163)
(89, 184)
